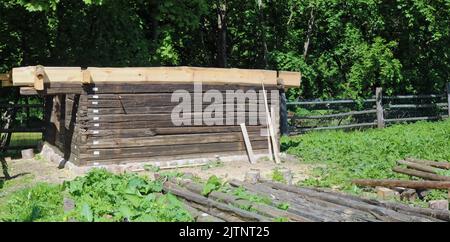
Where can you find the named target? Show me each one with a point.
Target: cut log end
(253, 176)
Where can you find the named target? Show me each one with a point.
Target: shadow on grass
(4, 179)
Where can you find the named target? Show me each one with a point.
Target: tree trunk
(221, 33)
(308, 33)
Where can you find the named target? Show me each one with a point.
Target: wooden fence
(378, 111)
(20, 129)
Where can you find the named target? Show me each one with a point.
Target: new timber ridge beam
(40, 77)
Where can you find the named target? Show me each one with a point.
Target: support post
(380, 111)
(284, 126)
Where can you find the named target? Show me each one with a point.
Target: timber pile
(125, 126)
(429, 171)
(291, 203)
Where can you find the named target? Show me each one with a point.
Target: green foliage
(42, 202)
(103, 196)
(283, 206)
(99, 196)
(281, 219)
(367, 154)
(213, 184)
(213, 164)
(241, 193)
(353, 47)
(278, 176)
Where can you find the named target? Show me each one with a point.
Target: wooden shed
(99, 116)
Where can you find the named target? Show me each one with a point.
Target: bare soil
(31, 171)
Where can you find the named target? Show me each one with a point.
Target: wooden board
(290, 78)
(101, 154)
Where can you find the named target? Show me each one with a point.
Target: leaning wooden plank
(248, 144)
(442, 165)
(271, 128)
(421, 174)
(402, 183)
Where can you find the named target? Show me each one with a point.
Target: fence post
(380, 116)
(448, 98)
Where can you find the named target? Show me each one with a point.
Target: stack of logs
(427, 170)
(291, 203)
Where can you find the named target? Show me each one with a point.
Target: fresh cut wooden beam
(26, 76)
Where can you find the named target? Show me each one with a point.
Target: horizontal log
(307, 206)
(102, 154)
(95, 143)
(224, 94)
(399, 106)
(166, 109)
(403, 183)
(337, 115)
(347, 126)
(145, 87)
(442, 165)
(414, 96)
(399, 207)
(380, 211)
(421, 174)
(261, 208)
(322, 102)
(146, 132)
(419, 167)
(414, 119)
(23, 76)
(173, 161)
(163, 123)
(160, 102)
(191, 196)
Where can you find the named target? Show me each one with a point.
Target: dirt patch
(40, 170)
(237, 169)
(31, 171)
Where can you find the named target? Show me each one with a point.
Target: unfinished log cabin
(99, 116)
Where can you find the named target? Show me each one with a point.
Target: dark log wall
(120, 123)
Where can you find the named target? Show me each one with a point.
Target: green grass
(22, 139)
(367, 154)
(25, 139)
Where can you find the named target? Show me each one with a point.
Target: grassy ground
(25, 139)
(22, 139)
(368, 154)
